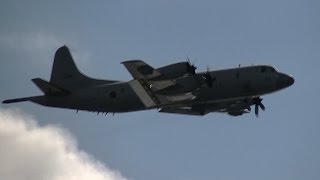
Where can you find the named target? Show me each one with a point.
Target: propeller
(258, 103)
(191, 68)
(207, 76)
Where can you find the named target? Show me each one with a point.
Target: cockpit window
(272, 69)
(268, 69)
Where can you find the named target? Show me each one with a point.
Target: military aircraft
(175, 88)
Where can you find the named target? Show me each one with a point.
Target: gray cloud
(30, 41)
(28, 151)
(42, 45)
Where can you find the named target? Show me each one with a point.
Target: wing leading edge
(148, 89)
(140, 70)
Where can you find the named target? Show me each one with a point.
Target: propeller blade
(258, 103)
(256, 110)
(188, 61)
(208, 79)
(191, 68)
(262, 107)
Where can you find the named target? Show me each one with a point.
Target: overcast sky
(283, 143)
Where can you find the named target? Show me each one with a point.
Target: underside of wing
(151, 98)
(232, 107)
(184, 110)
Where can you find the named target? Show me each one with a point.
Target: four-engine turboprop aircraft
(175, 88)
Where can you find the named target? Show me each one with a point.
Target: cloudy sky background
(283, 143)
(31, 152)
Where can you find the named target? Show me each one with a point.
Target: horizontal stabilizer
(35, 99)
(49, 89)
(15, 100)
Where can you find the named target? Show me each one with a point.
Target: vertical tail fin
(63, 66)
(65, 73)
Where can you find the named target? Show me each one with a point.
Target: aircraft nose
(290, 80)
(284, 80)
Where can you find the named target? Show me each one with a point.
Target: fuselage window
(263, 69)
(237, 75)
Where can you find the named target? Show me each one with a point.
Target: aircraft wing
(144, 72)
(141, 70)
(184, 110)
(148, 89)
(144, 92)
(233, 107)
(241, 106)
(150, 98)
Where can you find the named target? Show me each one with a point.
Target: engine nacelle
(175, 70)
(235, 113)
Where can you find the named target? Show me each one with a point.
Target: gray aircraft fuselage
(227, 88)
(229, 84)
